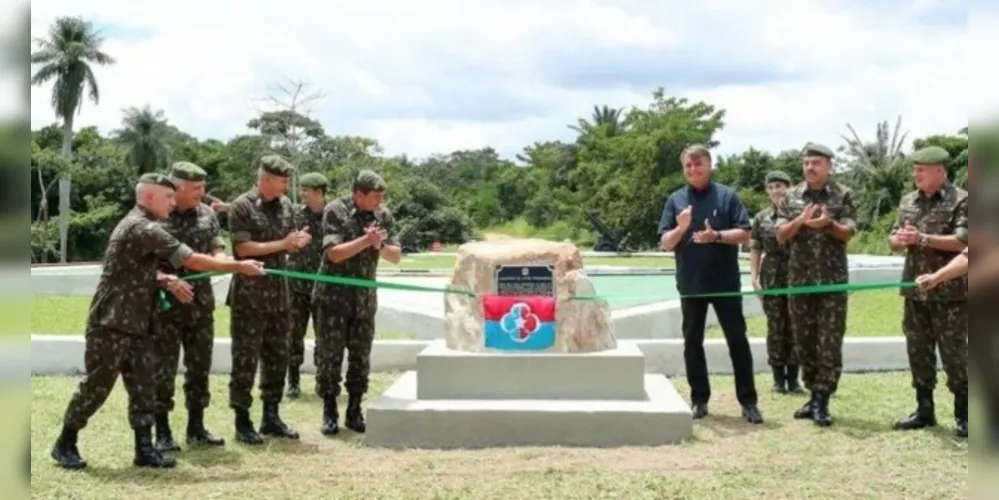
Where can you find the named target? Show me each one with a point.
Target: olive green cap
(816, 149)
(157, 179)
(778, 176)
(369, 181)
(930, 155)
(187, 171)
(275, 165)
(313, 180)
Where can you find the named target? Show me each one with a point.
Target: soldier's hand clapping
(250, 267)
(908, 235)
(375, 235)
(297, 239)
(821, 221)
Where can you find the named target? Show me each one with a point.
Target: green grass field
(871, 313)
(859, 457)
(447, 262)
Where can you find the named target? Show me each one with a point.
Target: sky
(440, 75)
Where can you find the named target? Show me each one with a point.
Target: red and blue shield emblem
(519, 323)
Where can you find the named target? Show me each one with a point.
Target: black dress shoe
(699, 410)
(752, 414)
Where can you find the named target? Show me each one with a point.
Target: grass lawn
(447, 262)
(859, 457)
(874, 313)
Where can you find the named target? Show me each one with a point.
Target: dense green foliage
(622, 165)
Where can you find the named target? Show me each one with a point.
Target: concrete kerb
(63, 355)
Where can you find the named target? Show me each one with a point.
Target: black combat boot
(961, 415)
(146, 455)
(272, 425)
(806, 412)
(924, 416)
(354, 419)
(164, 436)
(330, 417)
(196, 432)
(793, 386)
(65, 453)
(820, 414)
(780, 379)
(294, 390)
(245, 433)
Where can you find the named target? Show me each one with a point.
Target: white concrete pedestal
(476, 400)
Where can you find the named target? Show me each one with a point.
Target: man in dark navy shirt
(704, 223)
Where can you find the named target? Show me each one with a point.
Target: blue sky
(435, 76)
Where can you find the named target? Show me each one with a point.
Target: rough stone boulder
(581, 325)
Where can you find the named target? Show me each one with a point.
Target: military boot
(923, 417)
(780, 379)
(330, 417)
(164, 436)
(354, 419)
(196, 432)
(793, 386)
(961, 415)
(820, 414)
(245, 433)
(65, 453)
(807, 411)
(272, 425)
(146, 455)
(294, 390)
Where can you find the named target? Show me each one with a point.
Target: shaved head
(157, 199)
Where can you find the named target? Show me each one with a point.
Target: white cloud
(437, 75)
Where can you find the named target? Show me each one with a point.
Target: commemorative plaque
(538, 280)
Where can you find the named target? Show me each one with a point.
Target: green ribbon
(165, 303)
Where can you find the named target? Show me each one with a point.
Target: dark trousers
(733, 324)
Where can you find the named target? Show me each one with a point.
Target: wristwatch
(718, 237)
(923, 241)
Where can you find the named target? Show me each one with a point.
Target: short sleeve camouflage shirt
(944, 213)
(251, 218)
(816, 257)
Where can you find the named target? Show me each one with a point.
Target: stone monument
(586, 389)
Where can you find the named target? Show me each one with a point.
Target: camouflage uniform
(939, 317)
(259, 308)
(189, 325)
(118, 339)
(817, 258)
(346, 315)
(773, 274)
(307, 260)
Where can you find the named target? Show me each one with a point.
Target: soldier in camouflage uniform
(262, 225)
(816, 221)
(190, 321)
(118, 339)
(770, 272)
(357, 232)
(932, 229)
(313, 188)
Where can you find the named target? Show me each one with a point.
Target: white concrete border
(63, 355)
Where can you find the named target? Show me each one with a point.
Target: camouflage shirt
(944, 213)
(815, 256)
(309, 258)
(253, 219)
(342, 222)
(127, 292)
(763, 237)
(199, 229)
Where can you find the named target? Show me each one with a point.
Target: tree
(144, 134)
(879, 169)
(65, 59)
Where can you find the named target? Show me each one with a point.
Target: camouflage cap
(187, 171)
(157, 179)
(930, 155)
(816, 149)
(778, 176)
(275, 165)
(313, 180)
(369, 181)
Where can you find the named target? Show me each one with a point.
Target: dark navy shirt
(711, 267)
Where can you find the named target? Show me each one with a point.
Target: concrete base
(398, 419)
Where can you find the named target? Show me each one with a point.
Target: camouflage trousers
(931, 325)
(109, 353)
(819, 325)
(780, 337)
(197, 337)
(301, 312)
(334, 333)
(258, 339)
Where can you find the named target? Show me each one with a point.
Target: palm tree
(603, 117)
(144, 134)
(878, 168)
(65, 59)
